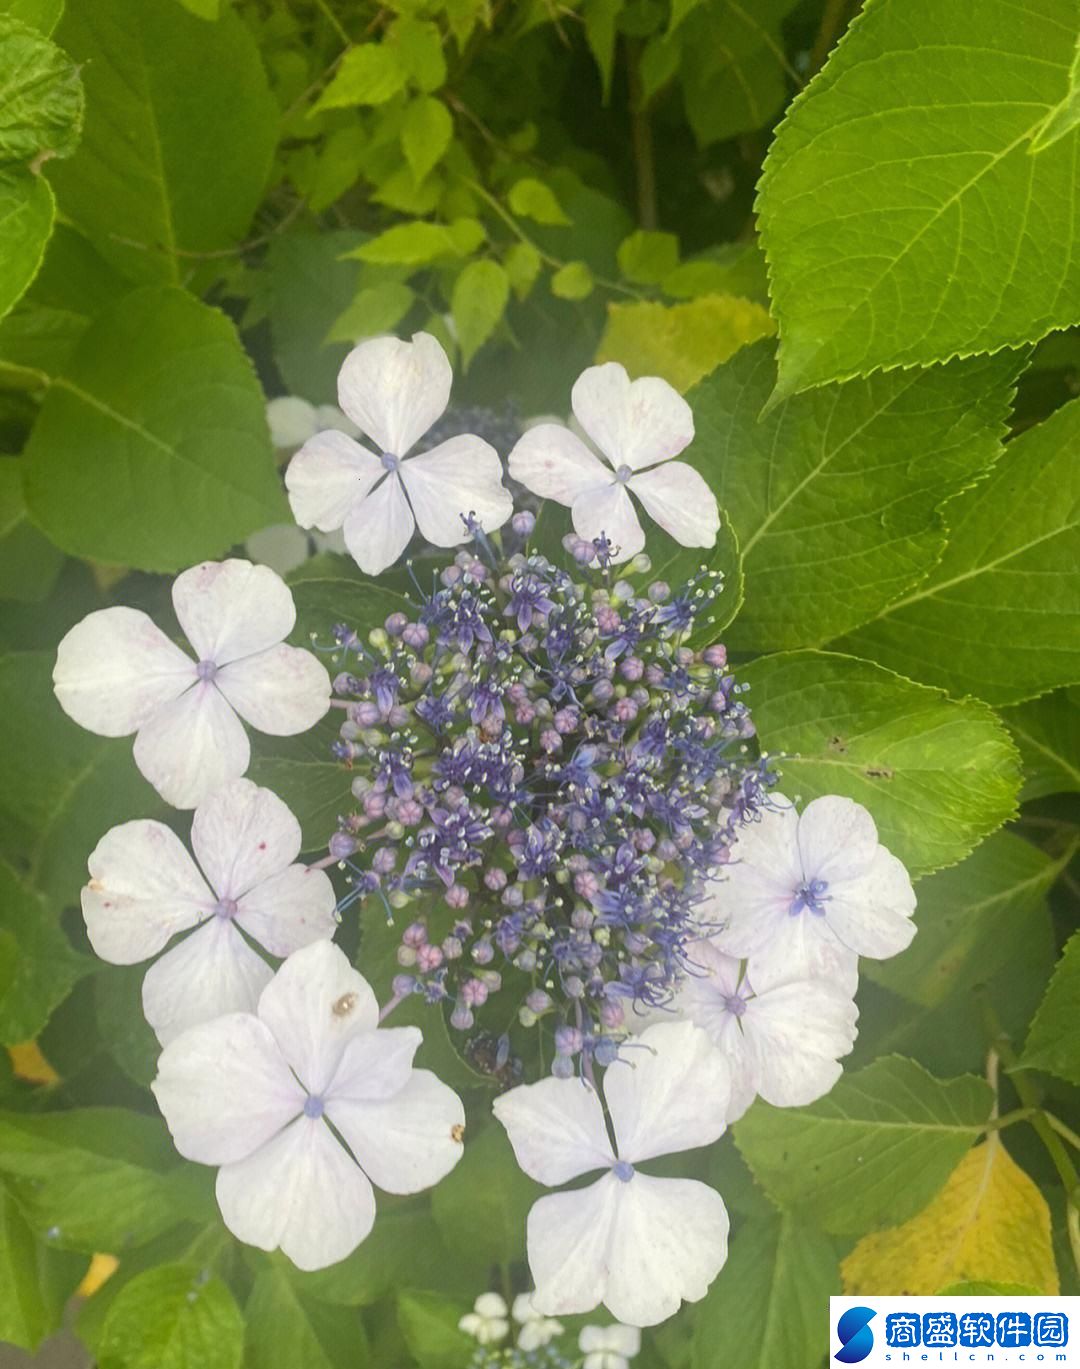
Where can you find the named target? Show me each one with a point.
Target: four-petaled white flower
(637, 1244)
(117, 673)
(487, 1322)
(267, 1096)
(609, 1347)
(536, 1329)
(639, 426)
(806, 894)
(394, 391)
(144, 889)
(784, 1043)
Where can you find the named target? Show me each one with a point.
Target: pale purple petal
(211, 972)
(872, 914)
(554, 463)
(556, 1128)
(608, 509)
(837, 839)
(328, 476)
(569, 1241)
(374, 1065)
(289, 910)
(192, 746)
(231, 609)
(461, 476)
(281, 691)
(378, 529)
(394, 391)
(797, 1033)
(677, 497)
(634, 423)
(241, 835)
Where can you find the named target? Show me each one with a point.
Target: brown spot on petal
(344, 1005)
(96, 885)
(457, 1133)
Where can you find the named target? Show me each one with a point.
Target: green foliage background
(851, 235)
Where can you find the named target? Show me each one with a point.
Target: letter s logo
(857, 1340)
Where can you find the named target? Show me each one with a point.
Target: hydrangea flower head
(145, 889)
(638, 426)
(117, 673)
(394, 392)
(638, 1244)
(806, 894)
(267, 1095)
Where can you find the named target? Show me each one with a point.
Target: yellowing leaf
(681, 342)
(989, 1223)
(102, 1268)
(28, 1063)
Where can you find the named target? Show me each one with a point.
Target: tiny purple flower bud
(457, 896)
(450, 576)
(396, 624)
(416, 635)
(483, 953)
(452, 948)
(461, 1019)
(562, 1067)
(568, 1040)
(586, 885)
(607, 618)
(428, 958)
(538, 1001)
(602, 691)
(550, 741)
(365, 713)
(523, 523)
(624, 710)
(566, 720)
(524, 714)
(409, 812)
(474, 993)
(415, 934)
(611, 1013)
(403, 985)
(632, 668)
(384, 860)
(659, 590)
(495, 879)
(406, 957)
(605, 1051)
(341, 845)
(374, 804)
(573, 986)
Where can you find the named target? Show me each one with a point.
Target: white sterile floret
(638, 1244)
(293, 420)
(268, 1095)
(609, 1347)
(806, 894)
(117, 673)
(395, 391)
(638, 426)
(784, 1043)
(536, 1329)
(487, 1322)
(145, 889)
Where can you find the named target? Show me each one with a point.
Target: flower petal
(375, 1064)
(837, 839)
(281, 691)
(315, 1003)
(241, 836)
(634, 423)
(668, 1092)
(231, 609)
(291, 420)
(569, 1240)
(677, 497)
(144, 888)
(800, 947)
(115, 669)
(872, 915)
(621, 1340)
(394, 391)
(290, 910)
(327, 477)
(192, 746)
(210, 973)
(300, 1193)
(608, 509)
(556, 1128)
(554, 463)
(797, 1033)
(460, 476)
(408, 1142)
(224, 1089)
(668, 1243)
(378, 529)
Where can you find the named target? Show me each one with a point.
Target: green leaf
(601, 18)
(418, 244)
(369, 74)
(307, 285)
(204, 9)
(764, 1311)
(151, 450)
(97, 1178)
(936, 775)
(572, 281)
(487, 1196)
(648, 257)
(376, 309)
(732, 268)
(836, 495)
(425, 134)
(532, 199)
(317, 791)
(29, 563)
(522, 262)
(680, 342)
(43, 15)
(157, 168)
(903, 219)
(285, 1332)
(980, 1288)
(478, 303)
(25, 1317)
(873, 1152)
(429, 1323)
(1047, 731)
(41, 102)
(173, 1317)
(1052, 1043)
(46, 966)
(26, 220)
(973, 919)
(1064, 117)
(997, 615)
(419, 45)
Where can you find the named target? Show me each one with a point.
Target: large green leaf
(973, 918)
(936, 775)
(173, 1317)
(764, 1311)
(1052, 1043)
(29, 563)
(871, 1153)
(179, 135)
(46, 967)
(429, 1323)
(24, 1313)
(488, 1195)
(1047, 731)
(835, 495)
(26, 219)
(151, 449)
(903, 214)
(286, 1332)
(308, 286)
(997, 616)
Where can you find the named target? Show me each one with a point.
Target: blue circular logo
(856, 1338)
